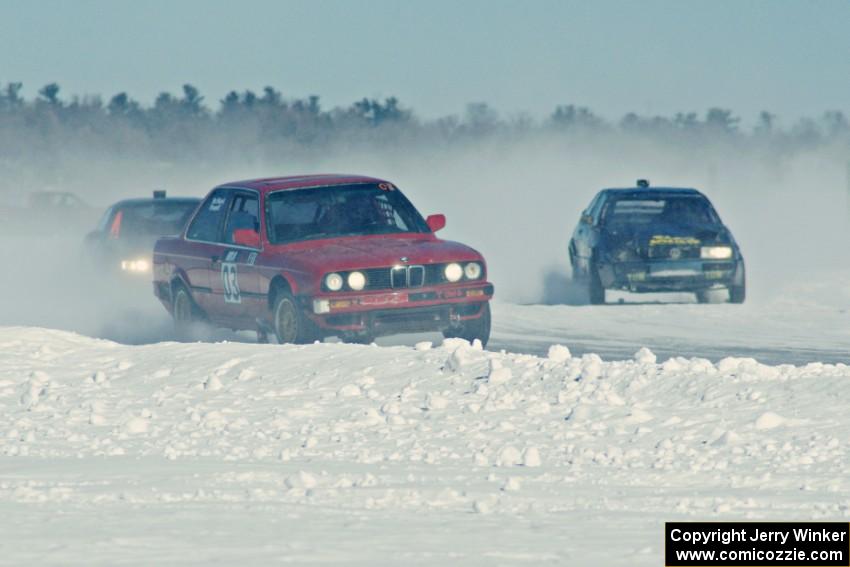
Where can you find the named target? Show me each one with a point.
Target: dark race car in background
(322, 255)
(122, 244)
(56, 213)
(656, 239)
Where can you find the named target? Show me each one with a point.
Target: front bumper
(671, 275)
(377, 313)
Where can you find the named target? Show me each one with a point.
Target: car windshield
(684, 209)
(155, 218)
(345, 210)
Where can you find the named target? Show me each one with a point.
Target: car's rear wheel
(187, 319)
(291, 325)
(472, 329)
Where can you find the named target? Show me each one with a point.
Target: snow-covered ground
(255, 454)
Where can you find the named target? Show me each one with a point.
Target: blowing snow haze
(511, 187)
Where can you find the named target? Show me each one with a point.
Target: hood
(640, 236)
(377, 252)
(709, 233)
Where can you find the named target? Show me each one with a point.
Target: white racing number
(230, 279)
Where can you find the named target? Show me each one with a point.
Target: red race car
(321, 255)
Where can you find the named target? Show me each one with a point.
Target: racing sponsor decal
(384, 299)
(230, 279)
(386, 186)
(252, 257)
(231, 255)
(662, 240)
(216, 203)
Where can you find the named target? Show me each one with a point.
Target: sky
(436, 56)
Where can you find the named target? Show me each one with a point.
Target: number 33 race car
(308, 257)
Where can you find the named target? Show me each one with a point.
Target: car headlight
(333, 281)
(472, 271)
(356, 281)
(453, 272)
(139, 265)
(716, 252)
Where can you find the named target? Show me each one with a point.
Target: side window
(244, 213)
(207, 223)
(104, 220)
(596, 208)
(591, 205)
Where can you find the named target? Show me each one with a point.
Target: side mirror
(587, 219)
(94, 236)
(436, 222)
(246, 237)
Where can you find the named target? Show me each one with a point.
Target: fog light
(138, 265)
(321, 306)
(453, 272)
(715, 252)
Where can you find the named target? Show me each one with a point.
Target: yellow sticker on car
(662, 240)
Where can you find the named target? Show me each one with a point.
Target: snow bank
(564, 458)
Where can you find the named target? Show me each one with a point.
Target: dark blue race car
(656, 239)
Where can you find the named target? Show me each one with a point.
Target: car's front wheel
(358, 338)
(472, 329)
(738, 293)
(595, 290)
(710, 296)
(290, 323)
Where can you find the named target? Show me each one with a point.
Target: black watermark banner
(757, 544)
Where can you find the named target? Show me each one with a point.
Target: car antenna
(643, 183)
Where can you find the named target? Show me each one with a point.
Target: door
(584, 237)
(203, 248)
(233, 275)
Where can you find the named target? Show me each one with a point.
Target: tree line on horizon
(184, 125)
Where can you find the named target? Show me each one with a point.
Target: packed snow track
(256, 454)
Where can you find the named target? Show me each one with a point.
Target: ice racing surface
(141, 451)
(429, 454)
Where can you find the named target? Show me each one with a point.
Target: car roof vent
(159, 194)
(643, 183)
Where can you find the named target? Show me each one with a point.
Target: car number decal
(230, 279)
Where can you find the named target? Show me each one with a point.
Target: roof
(652, 191)
(147, 200)
(302, 181)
